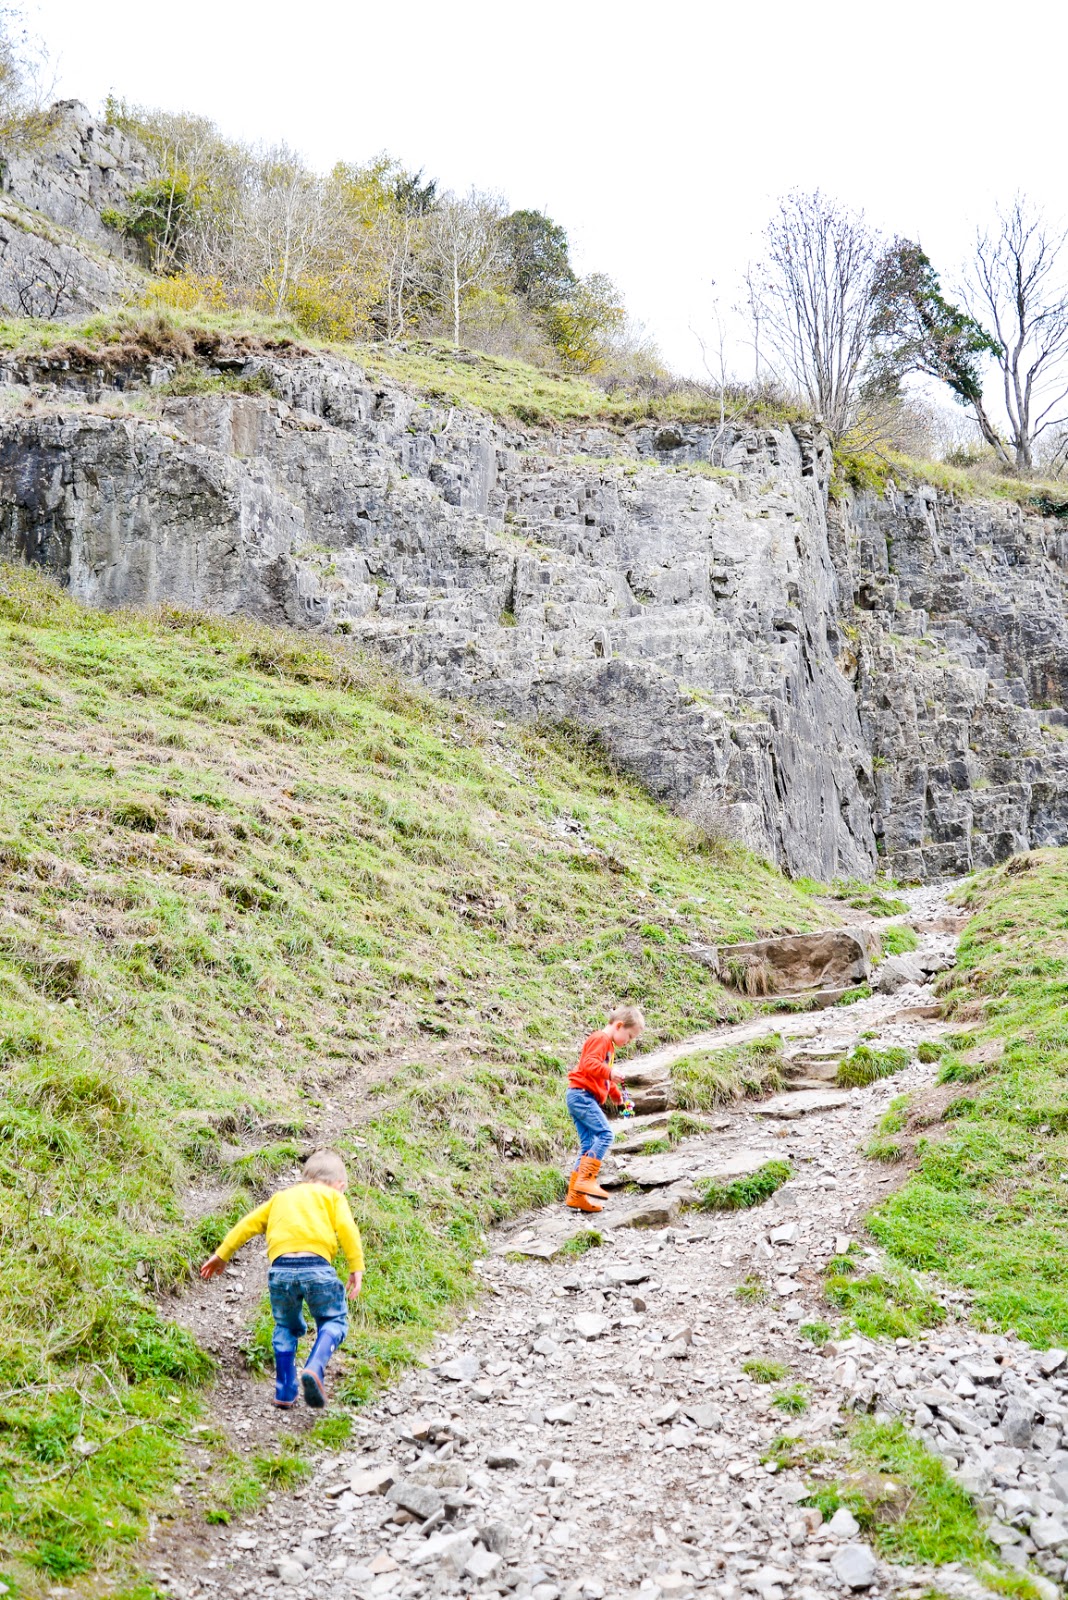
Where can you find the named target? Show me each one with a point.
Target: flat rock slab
(625, 1272)
(656, 1172)
(657, 1211)
(805, 1101)
(641, 1075)
(540, 1249)
(742, 1164)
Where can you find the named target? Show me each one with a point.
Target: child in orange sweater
(304, 1225)
(590, 1084)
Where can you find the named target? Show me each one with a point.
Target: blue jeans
(594, 1129)
(292, 1280)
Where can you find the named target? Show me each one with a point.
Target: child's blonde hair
(324, 1166)
(628, 1017)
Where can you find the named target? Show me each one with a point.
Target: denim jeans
(292, 1280)
(594, 1129)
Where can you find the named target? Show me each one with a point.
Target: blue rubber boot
(313, 1378)
(285, 1379)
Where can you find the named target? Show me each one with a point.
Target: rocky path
(591, 1430)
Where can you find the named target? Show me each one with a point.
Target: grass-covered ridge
(509, 389)
(255, 891)
(987, 1205)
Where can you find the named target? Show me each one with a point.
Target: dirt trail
(588, 1431)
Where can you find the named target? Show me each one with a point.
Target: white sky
(658, 136)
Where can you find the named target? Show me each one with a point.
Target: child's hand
(355, 1284)
(213, 1266)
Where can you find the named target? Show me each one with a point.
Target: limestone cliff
(887, 678)
(57, 255)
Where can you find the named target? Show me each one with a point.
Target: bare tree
(813, 295)
(732, 400)
(465, 248)
(1018, 287)
(47, 283)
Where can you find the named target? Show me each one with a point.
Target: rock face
(961, 677)
(823, 687)
(57, 255)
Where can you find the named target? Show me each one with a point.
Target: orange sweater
(594, 1070)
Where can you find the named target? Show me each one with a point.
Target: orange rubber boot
(577, 1201)
(586, 1180)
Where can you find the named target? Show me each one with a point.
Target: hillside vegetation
(986, 1206)
(256, 894)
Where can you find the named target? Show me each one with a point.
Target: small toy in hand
(626, 1108)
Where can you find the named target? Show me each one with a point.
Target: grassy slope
(987, 1206)
(253, 890)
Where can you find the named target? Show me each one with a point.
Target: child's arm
(240, 1233)
(349, 1238)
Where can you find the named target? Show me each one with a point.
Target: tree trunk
(455, 301)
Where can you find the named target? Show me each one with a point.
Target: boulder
(897, 971)
(418, 1498)
(836, 958)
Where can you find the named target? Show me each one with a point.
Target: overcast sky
(659, 135)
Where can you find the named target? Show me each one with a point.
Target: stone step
(788, 1106)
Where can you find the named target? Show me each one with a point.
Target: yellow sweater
(307, 1219)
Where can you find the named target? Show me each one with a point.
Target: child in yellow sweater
(304, 1225)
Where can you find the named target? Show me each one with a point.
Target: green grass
(883, 1305)
(873, 897)
(710, 1078)
(762, 1370)
(513, 389)
(741, 1193)
(930, 1050)
(873, 469)
(579, 1243)
(905, 1500)
(752, 1290)
(986, 1206)
(250, 884)
(865, 1065)
(910, 1508)
(885, 1150)
(817, 1333)
(898, 939)
(792, 1402)
(788, 1450)
(860, 991)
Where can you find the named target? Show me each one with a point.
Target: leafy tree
(539, 259)
(916, 329)
(414, 196)
(582, 328)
